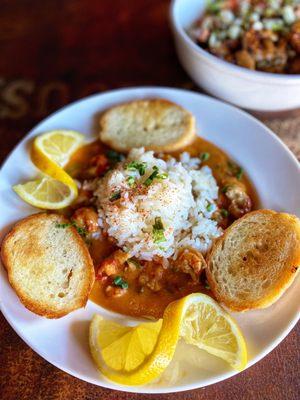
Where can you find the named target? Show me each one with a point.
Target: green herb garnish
(82, 232)
(209, 207)
(114, 156)
(135, 166)
(204, 156)
(224, 213)
(225, 188)
(158, 231)
(235, 170)
(163, 175)
(115, 196)
(277, 27)
(214, 6)
(239, 173)
(119, 281)
(130, 180)
(65, 225)
(155, 175)
(206, 285)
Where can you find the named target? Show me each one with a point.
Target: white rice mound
(180, 201)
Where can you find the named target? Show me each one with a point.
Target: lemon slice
(46, 193)
(50, 152)
(58, 145)
(137, 355)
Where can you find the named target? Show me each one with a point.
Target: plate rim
(143, 389)
(146, 88)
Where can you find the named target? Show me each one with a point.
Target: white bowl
(275, 174)
(254, 90)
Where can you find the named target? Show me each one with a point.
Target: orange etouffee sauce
(147, 303)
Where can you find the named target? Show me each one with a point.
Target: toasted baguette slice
(157, 125)
(48, 265)
(255, 261)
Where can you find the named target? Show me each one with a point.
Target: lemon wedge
(46, 193)
(50, 153)
(137, 355)
(206, 325)
(125, 348)
(130, 355)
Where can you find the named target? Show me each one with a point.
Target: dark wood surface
(51, 53)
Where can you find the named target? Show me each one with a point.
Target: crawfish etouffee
(261, 35)
(150, 218)
(148, 221)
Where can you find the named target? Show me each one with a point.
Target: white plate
(272, 168)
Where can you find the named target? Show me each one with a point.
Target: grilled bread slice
(48, 265)
(255, 261)
(156, 124)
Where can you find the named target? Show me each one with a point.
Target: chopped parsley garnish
(209, 207)
(114, 156)
(65, 225)
(158, 231)
(204, 156)
(115, 196)
(225, 188)
(130, 180)
(162, 248)
(214, 6)
(224, 213)
(135, 166)
(235, 170)
(163, 175)
(119, 281)
(134, 261)
(206, 285)
(239, 173)
(155, 175)
(82, 232)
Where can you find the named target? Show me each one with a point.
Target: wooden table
(54, 52)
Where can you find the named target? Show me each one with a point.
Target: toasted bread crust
(149, 109)
(32, 251)
(288, 267)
